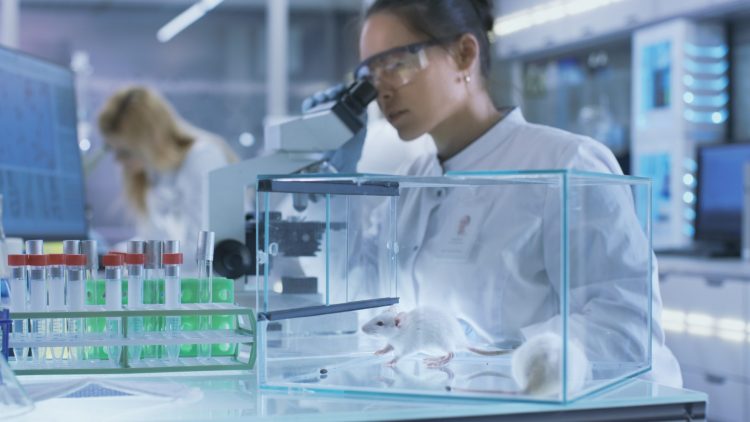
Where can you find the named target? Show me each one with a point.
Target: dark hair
(445, 19)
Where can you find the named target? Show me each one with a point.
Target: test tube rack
(242, 337)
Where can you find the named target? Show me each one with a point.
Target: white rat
(422, 330)
(536, 365)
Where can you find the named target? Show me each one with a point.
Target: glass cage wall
(502, 285)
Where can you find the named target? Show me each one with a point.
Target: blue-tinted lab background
(720, 184)
(40, 164)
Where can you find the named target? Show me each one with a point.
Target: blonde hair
(147, 123)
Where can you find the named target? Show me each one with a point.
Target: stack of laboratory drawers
(706, 322)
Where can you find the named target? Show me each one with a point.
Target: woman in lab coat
(165, 163)
(496, 259)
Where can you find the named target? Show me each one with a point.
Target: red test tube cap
(135, 259)
(37, 260)
(112, 260)
(172, 258)
(17, 260)
(56, 259)
(75, 260)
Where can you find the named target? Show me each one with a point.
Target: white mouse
(535, 368)
(422, 330)
(536, 365)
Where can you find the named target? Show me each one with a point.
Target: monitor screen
(720, 192)
(41, 177)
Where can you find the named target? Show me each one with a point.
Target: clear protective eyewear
(395, 67)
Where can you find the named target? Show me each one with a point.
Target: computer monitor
(720, 194)
(41, 178)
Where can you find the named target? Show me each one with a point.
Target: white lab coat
(501, 277)
(175, 200)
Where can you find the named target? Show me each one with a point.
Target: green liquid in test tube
(205, 255)
(154, 250)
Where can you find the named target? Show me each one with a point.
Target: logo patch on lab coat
(462, 236)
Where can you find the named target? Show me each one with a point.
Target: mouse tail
(496, 352)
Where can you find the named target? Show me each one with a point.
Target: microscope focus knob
(233, 259)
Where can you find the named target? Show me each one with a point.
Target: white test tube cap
(172, 246)
(35, 247)
(205, 250)
(137, 246)
(88, 248)
(154, 251)
(71, 247)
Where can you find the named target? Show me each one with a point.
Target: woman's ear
(466, 52)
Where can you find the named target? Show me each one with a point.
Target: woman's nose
(384, 93)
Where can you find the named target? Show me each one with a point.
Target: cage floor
(324, 365)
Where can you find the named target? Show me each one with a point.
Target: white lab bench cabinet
(335, 251)
(706, 314)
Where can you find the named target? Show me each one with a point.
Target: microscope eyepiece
(358, 95)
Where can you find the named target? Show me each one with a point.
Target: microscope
(298, 144)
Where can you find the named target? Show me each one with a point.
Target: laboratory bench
(706, 319)
(714, 270)
(229, 396)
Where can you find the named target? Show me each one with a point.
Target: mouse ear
(399, 319)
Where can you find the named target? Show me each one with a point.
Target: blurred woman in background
(165, 163)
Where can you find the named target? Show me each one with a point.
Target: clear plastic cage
(504, 285)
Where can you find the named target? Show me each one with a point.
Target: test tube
(75, 269)
(56, 294)
(18, 298)
(113, 295)
(34, 247)
(71, 247)
(38, 300)
(88, 249)
(172, 293)
(134, 262)
(151, 279)
(152, 269)
(172, 246)
(205, 256)
(93, 297)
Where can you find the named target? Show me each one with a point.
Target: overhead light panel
(185, 19)
(545, 13)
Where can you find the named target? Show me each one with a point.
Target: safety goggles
(396, 67)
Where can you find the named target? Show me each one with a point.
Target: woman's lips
(396, 115)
